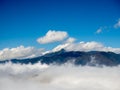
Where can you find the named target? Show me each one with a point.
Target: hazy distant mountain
(77, 57)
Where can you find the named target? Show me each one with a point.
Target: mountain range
(91, 58)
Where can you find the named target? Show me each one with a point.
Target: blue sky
(23, 21)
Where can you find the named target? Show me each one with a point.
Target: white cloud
(98, 31)
(19, 52)
(70, 40)
(61, 46)
(52, 36)
(86, 46)
(53, 77)
(117, 25)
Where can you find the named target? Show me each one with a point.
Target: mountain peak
(62, 50)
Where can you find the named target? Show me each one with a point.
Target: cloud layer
(19, 52)
(52, 36)
(85, 46)
(52, 77)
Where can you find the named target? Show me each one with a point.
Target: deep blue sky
(23, 21)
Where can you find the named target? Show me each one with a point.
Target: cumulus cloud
(70, 40)
(53, 77)
(52, 36)
(117, 25)
(86, 46)
(19, 52)
(99, 31)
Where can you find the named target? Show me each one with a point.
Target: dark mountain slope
(77, 57)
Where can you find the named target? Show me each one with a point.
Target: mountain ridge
(91, 58)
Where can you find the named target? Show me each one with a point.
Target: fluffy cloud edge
(86, 46)
(52, 36)
(19, 53)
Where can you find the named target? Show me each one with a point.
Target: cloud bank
(85, 46)
(52, 36)
(19, 52)
(53, 77)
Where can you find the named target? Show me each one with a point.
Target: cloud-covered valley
(54, 77)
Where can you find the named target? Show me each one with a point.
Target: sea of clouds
(58, 77)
